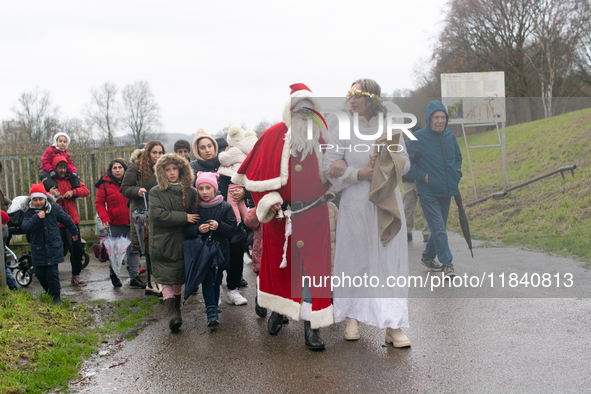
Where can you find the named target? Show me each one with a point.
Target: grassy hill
(551, 215)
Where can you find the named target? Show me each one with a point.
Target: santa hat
(207, 177)
(235, 135)
(37, 190)
(300, 92)
(55, 137)
(5, 217)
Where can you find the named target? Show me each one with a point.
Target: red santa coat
(273, 176)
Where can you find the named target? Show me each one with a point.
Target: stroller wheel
(23, 277)
(85, 259)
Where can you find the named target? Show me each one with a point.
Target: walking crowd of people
(279, 187)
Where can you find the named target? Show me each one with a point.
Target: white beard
(299, 135)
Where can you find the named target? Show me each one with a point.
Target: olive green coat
(167, 216)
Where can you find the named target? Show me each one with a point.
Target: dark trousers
(236, 265)
(49, 182)
(76, 252)
(49, 277)
(211, 288)
(436, 211)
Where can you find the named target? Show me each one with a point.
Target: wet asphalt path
(472, 345)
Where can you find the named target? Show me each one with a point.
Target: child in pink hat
(216, 220)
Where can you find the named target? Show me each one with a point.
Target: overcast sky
(210, 63)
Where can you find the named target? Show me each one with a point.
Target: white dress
(358, 248)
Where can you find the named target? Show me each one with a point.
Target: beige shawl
(386, 174)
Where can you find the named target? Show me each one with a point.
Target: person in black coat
(41, 219)
(216, 220)
(205, 149)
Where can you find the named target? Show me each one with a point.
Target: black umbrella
(201, 255)
(464, 221)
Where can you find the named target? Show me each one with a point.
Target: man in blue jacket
(436, 165)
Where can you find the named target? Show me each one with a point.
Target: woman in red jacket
(113, 210)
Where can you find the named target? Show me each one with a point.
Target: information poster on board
(474, 97)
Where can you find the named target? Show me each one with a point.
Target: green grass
(550, 215)
(42, 345)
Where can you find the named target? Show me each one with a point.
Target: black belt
(298, 205)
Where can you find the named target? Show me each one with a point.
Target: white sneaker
(236, 298)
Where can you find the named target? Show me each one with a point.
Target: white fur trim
(269, 184)
(322, 318)
(283, 306)
(42, 195)
(287, 234)
(305, 311)
(55, 137)
(264, 212)
(286, 114)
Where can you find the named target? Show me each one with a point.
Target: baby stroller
(21, 268)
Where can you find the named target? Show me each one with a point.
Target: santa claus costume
(279, 171)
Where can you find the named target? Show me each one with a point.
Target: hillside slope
(552, 214)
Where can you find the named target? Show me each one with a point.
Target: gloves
(53, 175)
(75, 175)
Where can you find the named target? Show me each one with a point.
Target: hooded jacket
(231, 160)
(64, 185)
(53, 151)
(201, 164)
(116, 211)
(167, 218)
(436, 154)
(46, 242)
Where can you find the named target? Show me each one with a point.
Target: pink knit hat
(207, 177)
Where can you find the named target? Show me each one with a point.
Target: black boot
(261, 312)
(175, 322)
(312, 337)
(274, 324)
(177, 307)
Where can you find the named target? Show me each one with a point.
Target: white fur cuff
(283, 306)
(264, 212)
(322, 318)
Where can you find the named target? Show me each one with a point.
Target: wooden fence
(22, 170)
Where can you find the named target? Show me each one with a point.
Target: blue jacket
(47, 247)
(436, 154)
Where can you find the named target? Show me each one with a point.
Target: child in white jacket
(240, 144)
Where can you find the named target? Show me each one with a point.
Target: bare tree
(36, 116)
(559, 30)
(262, 126)
(584, 66)
(103, 111)
(141, 113)
(80, 134)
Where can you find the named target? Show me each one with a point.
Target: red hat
(5, 217)
(37, 190)
(299, 91)
(296, 87)
(57, 160)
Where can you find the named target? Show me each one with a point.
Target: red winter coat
(64, 185)
(116, 211)
(49, 156)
